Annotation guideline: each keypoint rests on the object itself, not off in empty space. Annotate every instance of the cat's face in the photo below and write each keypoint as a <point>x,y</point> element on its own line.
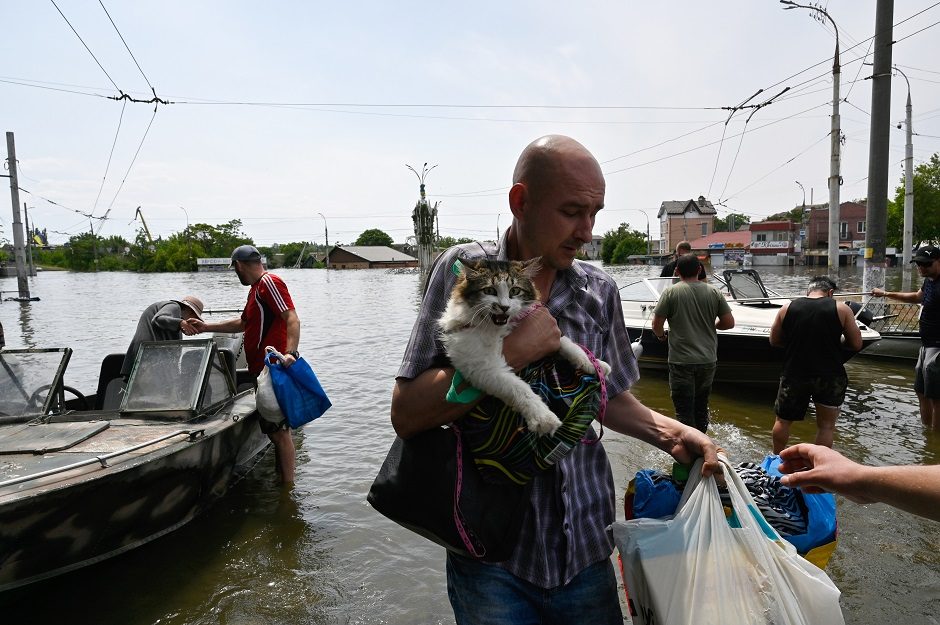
<point>495,291</point>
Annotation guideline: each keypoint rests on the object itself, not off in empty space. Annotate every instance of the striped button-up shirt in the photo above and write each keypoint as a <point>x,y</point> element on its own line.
<point>565,529</point>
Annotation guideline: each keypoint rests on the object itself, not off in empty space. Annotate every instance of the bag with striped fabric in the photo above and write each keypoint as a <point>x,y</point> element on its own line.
<point>496,437</point>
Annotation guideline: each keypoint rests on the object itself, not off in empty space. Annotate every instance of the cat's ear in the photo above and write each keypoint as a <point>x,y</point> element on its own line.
<point>467,265</point>
<point>531,267</point>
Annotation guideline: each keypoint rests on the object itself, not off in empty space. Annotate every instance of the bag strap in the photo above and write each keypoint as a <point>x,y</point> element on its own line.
<point>272,356</point>
<point>602,408</point>
<point>472,544</point>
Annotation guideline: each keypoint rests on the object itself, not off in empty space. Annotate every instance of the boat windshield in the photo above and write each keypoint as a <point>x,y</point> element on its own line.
<point>745,284</point>
<point>177,379</point>
<point>31,380</point>
<point>646,290</point>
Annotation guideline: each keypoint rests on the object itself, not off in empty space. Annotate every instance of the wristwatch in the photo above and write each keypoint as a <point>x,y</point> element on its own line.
<point>294,353</point>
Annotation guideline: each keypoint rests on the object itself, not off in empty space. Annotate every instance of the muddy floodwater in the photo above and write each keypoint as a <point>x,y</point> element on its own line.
<point>318,553</point>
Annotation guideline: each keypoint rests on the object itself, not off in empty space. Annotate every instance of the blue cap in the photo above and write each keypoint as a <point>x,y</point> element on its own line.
<point>246,253</point>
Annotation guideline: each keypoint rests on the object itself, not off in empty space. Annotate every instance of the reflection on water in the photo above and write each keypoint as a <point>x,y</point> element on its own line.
<point>318,553</point>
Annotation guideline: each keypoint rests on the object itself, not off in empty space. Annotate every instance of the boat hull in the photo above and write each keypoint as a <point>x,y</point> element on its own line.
<point>895,347</point>
<point>60,523</point>
<point>745,355</point>
<point>742,358</point>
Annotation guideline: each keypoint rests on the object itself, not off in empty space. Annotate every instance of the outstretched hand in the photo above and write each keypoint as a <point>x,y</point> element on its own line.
<point>198,326</point>
<point>818,469</point>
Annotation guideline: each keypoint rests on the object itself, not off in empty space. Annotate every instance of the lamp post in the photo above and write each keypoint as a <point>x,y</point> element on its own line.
<point>497,227</point>
<point>647,229</point>
<point>835,136</point>
<point>326,235</point>
<point>189,240</point>
<point>803,221</point>
<point>908,179</point>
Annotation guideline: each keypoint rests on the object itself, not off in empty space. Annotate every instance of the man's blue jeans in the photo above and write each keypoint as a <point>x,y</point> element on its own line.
<point>483,594</point>
<point>690,386</point>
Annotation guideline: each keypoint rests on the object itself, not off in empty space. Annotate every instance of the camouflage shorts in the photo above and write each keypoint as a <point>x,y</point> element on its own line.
<point>794,395</point>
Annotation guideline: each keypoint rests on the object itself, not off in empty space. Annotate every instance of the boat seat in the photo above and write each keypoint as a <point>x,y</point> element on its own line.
<point>110,381</point>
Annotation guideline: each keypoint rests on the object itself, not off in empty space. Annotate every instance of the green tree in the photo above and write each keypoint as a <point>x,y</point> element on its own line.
<point>621,243</point>
<point>724,224</point>
<point>926,206</point>
<point>373,236</point>
<point>448,242</point>
<point>291,252</point>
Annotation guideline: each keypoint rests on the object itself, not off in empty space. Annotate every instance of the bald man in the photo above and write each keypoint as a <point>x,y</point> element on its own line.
<point>560,571</point>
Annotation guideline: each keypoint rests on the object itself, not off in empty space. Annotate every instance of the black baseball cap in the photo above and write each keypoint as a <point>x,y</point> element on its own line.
<point>926,254</point>
<point>246,253</point>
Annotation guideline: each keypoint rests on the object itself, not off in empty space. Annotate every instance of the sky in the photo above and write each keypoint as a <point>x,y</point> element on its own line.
<point>299,118</point>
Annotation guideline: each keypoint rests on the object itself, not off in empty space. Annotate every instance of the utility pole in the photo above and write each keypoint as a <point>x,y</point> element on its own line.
<point>879,142</point>
<point>835,179</point>
<point>326,235</point>
<point>908,238</point>
<point>21,282</point>
<point>94,241</point>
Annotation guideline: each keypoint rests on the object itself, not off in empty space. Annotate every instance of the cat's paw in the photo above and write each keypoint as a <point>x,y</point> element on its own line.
<point>542,421</point>
<point>586,366</point>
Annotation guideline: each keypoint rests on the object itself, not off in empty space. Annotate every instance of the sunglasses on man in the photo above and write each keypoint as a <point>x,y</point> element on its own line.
<point>923,263</point>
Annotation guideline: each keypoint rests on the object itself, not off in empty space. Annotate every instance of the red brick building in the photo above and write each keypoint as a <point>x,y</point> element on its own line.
<point>852,220</point>
<point>684,220</point>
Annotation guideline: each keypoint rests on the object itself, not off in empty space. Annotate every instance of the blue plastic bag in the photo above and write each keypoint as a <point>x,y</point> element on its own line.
<point>656,495</point>
<point>821,514</point>
<point>298,391</point>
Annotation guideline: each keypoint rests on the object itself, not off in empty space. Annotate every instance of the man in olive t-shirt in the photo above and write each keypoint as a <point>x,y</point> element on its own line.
<point>694,310</point>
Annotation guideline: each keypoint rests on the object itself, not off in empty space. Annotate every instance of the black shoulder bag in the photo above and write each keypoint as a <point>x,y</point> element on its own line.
<point>430,486</point>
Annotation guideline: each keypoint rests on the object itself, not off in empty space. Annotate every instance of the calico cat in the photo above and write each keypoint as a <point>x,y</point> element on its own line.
<point>486,301</point>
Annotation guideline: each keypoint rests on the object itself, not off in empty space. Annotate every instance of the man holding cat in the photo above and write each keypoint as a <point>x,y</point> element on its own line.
<point>560,570</point>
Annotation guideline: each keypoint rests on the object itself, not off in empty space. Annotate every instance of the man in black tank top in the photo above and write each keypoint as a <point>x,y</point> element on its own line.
<point>811,330</point>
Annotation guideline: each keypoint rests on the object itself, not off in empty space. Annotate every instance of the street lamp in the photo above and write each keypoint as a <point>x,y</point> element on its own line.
<point>189,240</point>
<point>835,135</point>
<point>908,180</point>
<point>640,210</point>
<point>804,192</point>
<point>326,235</point>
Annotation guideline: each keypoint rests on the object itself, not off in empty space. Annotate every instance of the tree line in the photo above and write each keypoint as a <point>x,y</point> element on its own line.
<point>179,251</point>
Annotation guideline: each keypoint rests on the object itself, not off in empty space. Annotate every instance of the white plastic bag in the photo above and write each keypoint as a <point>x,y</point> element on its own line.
<point>695,568</point>
<point>265,399</point>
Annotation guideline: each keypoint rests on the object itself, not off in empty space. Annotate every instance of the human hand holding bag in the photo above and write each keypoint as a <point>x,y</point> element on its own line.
<point>701,568</point>
<point>298,391</point>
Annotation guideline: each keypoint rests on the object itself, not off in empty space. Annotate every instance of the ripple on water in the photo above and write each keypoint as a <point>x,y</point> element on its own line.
<point>320,554</point>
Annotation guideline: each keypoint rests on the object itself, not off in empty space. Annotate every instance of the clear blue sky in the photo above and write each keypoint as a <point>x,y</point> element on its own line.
<point>289,109</point>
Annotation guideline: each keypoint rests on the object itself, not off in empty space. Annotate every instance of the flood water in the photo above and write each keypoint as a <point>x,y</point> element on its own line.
<point>318,553</point>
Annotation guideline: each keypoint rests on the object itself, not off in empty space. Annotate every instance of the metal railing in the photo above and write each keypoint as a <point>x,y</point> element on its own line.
<point>103,459</point>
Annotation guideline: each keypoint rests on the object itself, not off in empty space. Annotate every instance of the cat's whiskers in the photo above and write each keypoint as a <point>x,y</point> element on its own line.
<point>481,309</point>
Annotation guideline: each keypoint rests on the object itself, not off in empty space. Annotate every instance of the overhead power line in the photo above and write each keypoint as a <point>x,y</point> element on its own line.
<point>127,47</point>
<point>108,166</point>
<point>85,44</point>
